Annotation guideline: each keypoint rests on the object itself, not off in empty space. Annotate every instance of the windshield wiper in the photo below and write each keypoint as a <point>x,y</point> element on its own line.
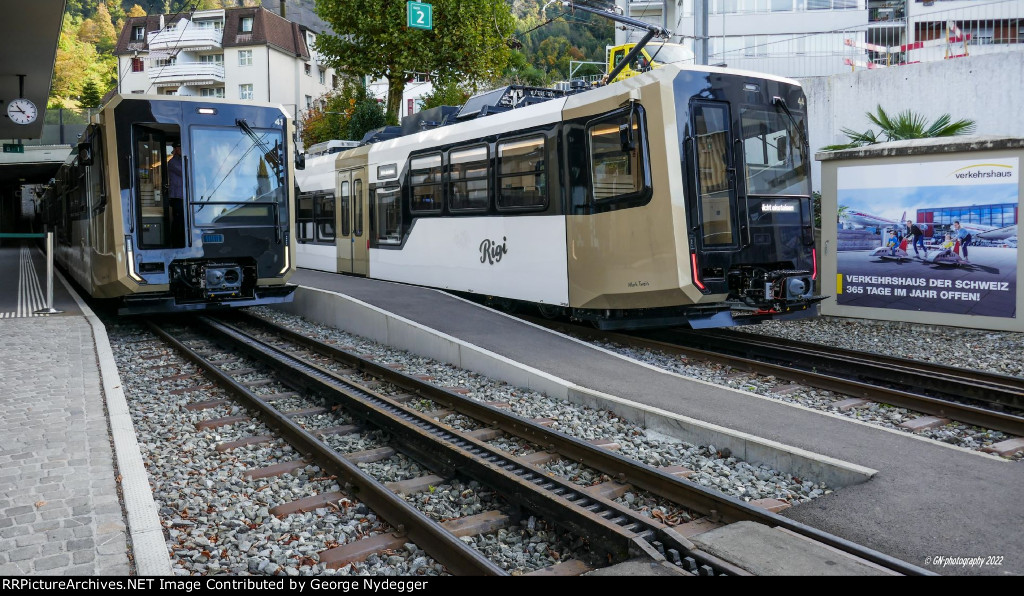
<point>268,153</point>
<point>781,103</point>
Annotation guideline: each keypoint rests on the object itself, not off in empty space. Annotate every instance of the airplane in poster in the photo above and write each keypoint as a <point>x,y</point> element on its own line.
<point>991,233</point>
<point>863,219</point>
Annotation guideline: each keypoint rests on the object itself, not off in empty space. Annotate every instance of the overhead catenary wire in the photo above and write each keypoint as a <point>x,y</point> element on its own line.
<point>184,5</point>
<point>192,12</point>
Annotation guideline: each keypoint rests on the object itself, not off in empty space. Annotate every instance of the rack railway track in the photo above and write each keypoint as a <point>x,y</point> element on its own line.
<point>613,530</point>
<point>973,397</point>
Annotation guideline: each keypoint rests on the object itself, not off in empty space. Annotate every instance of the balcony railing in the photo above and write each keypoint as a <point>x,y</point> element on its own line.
<point>188,73</point>
<point>185,37</point>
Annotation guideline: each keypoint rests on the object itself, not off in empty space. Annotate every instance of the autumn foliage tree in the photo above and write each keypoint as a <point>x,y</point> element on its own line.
<point>345,114</point>
<point>467,42</point>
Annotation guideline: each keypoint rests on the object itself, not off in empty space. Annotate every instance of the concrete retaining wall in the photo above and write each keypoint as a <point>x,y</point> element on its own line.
<point>983,88</point>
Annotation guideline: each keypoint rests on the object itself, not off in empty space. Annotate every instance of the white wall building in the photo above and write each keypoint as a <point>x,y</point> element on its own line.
<point>235,53</point>
<point>417,85</point>
<point>803,38</point>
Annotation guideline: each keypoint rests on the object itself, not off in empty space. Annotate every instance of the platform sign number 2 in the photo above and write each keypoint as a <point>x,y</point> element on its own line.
<point>419,15</point>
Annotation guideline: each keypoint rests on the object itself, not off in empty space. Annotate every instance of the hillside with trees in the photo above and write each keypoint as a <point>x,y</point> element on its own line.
<point>542,44</point>
<point>85,68</point>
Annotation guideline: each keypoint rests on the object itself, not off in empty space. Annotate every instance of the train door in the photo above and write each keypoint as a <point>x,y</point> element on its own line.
<point>352,249</point>
<point>713,204</point>
<point>159,186</point>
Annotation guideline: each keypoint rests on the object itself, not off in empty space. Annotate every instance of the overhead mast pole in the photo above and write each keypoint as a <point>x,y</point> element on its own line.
<point>652,31</point>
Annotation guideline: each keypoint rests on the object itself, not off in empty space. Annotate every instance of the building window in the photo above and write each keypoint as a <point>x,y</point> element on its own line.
<point>138,33</point>
<point>309,71</point>
<point>425,180</point>
<point>468,180</point>
<point>212,59</point>
<point>245,91</point>
<point>173,91</point>
<point>323,77</point>
<point>245,57</point>
<point>162,62</point>
<point>212,92</point>
<point>138,65</point>
<point>334,81</point>
<point>521,180</point>
<point>309,101</point>
<point>246,25</point>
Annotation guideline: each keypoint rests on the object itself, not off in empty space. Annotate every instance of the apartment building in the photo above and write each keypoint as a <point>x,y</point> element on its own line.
<point>246,53</point>
<point>801,38</point>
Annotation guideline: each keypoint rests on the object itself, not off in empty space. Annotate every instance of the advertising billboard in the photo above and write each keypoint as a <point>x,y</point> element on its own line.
<point>958,264</point>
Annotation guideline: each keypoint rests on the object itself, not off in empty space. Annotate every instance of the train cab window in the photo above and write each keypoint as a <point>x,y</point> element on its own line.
<point>344,201</point>
<point>425,182</point>
<point>615,168</point>
<point>467,186</point>
<point>521,179</point>
<point>325,219</point>
<point>388,216</point>
<point>357,208</point>
<point>711,124</point>
<point>775,159</point>
<point>304,217</point>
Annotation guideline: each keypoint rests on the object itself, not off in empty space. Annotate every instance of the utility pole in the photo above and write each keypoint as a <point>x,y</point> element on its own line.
<point>700,30</point>
<point>652,31</point>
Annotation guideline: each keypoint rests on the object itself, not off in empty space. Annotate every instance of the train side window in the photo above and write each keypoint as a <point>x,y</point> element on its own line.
<point>325,218</point>
<point>343,206</point>
<point>425,181</point>
<point>389,216</point>
<point>521,179</point>
<point>304,217</point>
<point>357,207</point>
<point>615,167</point>
<point>467,187</point>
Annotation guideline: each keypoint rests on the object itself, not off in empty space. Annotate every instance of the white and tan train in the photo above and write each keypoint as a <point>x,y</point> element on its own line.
<point>679,196</point>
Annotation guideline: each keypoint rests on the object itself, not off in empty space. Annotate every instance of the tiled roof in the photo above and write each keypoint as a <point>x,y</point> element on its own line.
<point>268,28</point>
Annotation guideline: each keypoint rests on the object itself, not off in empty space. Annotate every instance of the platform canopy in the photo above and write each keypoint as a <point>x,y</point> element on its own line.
<point>29,32</point>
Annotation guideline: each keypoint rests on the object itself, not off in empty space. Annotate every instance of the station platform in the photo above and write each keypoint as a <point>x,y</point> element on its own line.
<point>927,499</point>
<point>70,504</point>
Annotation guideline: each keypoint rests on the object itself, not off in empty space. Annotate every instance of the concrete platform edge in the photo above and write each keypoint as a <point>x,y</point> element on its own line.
<point>798,462</point>
<point>352,315</point>
<point>149,551</point>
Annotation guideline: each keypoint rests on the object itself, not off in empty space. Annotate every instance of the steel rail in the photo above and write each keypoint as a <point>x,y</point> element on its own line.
<point>452,552</point>
<point>626,470</point>
<point>858,374</point>
<point>940,378</point>
<point>612,530</point>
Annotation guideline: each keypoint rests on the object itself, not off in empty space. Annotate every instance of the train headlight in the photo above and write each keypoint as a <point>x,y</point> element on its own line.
<point>287,258</point>
<point>797,287</point>
<point>130,260</point>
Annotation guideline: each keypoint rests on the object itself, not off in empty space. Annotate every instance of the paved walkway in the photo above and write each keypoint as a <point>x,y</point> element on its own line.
<point>69,457</point>
<point>59,507</point>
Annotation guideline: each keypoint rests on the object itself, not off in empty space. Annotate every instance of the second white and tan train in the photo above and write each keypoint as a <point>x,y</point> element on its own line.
<point>679,196</point>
